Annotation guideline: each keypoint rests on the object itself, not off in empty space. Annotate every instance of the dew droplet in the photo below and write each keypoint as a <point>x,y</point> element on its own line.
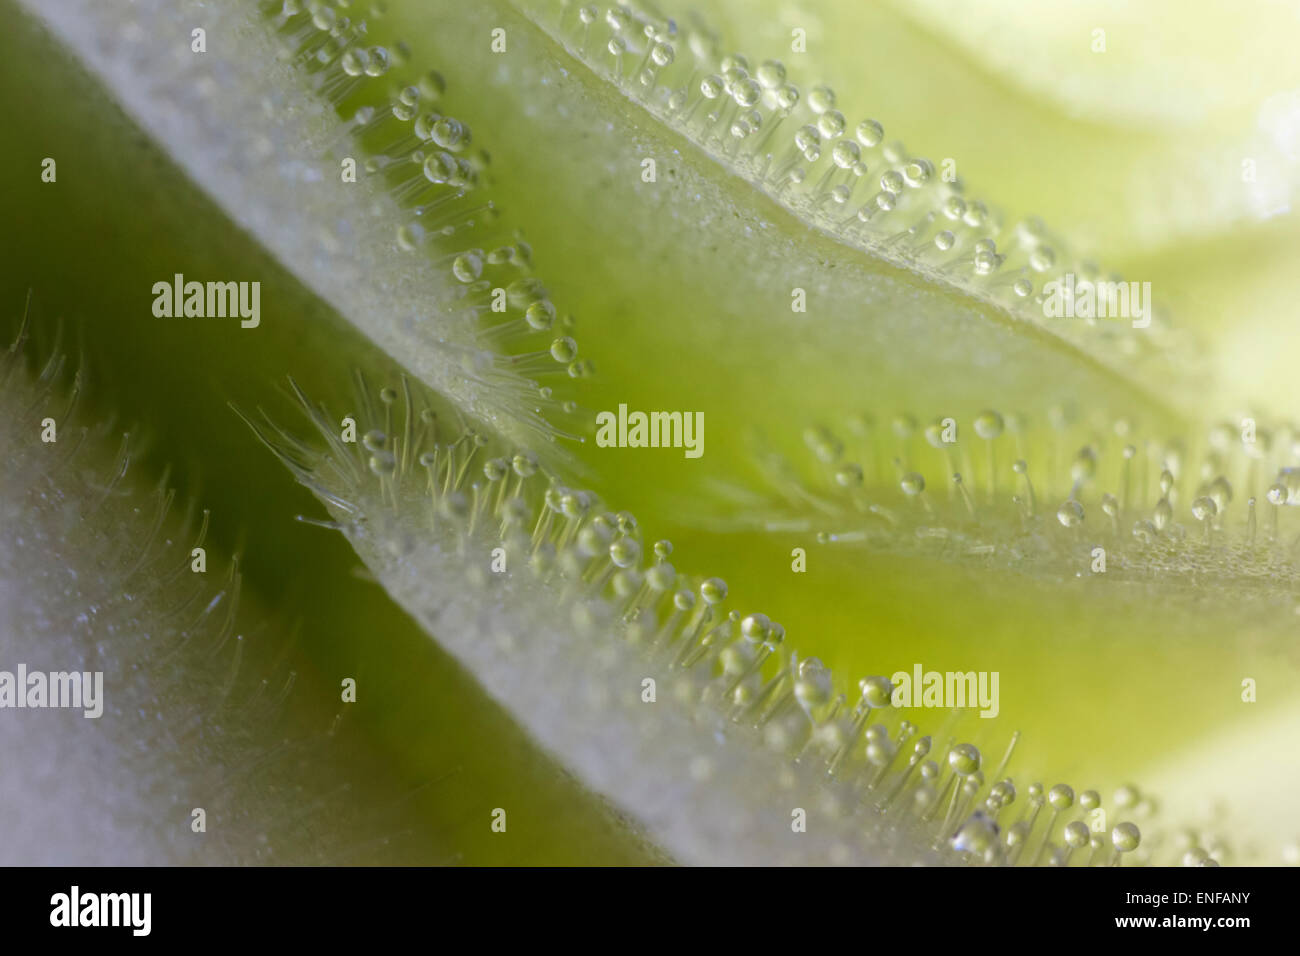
<point>1070,514</point>
<point>354,62</point>
<point>1061,797</point>
<point>1042,259</point>
<point>378,61</point>
<point>1125,837</point>
<point>989,425</point>
<point>1163,514</point>
<point>540,315</point>
<point>845,154</point>
<point>449,133</point>
<point>711,87</point>
<point>662,54</point>
<point>713,591</point>
<point>918,172</point>
<point>903,426</point>
<point>524,464</point>
<point>870,133</point>
<point>1084,466</point>
<point>564,349</point>
<point>467,267</point>
<point>625,552</point>
<point>848,475</point>
<point>1077,834</point>
<point>964,759</point>
<point>771,74</point>
<point>821,99</point>
<point>831,124</point>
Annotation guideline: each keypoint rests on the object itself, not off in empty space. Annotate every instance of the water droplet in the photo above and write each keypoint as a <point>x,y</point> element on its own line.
<point>540,315</point>
<point>964,759</point>
<point>354,62</point>
<point>870,133</point>
<point>1084,466</point>
<point>524,464</point>
<point>1221,492</point>
<point>1070,514</point>
<point>848,475</point>
<point>449,133</point>
<point>1125,837</point>
<point>1061,797</point>
<point>918,172</point>
<point>378,61</point>
<point>625,552</point>
<point>467,267</point>
<point>845,154</point>
<point>747,93</point>
<point>831,124</point>
<point>440,168</point>
<point>806,137</point>
<point>564,349</point>
<point>821,99</point>
<point>989,424</point>
<point>711,87</point>
<point>813,686</point>
<point>1077,834</point>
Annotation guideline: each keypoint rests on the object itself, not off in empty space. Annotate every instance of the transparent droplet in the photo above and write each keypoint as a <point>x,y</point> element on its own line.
<point>821,99</point>
<point>870,133</point>
<point>989,424</point>
<point>564,349</point>
<point>1070,514</point>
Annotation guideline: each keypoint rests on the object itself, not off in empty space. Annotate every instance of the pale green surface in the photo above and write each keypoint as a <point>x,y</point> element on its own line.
<point>678,314</point>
